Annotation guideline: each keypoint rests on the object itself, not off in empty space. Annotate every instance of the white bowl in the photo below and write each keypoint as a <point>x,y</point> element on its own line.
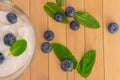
<point>23,30</point>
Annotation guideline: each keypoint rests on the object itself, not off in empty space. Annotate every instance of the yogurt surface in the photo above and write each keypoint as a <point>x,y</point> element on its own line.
<point>21,30</point>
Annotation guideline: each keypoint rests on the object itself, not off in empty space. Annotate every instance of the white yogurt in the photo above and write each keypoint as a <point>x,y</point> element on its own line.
<point>22,31</point>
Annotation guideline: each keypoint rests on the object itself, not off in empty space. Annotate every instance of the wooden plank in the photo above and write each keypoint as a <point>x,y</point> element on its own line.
<point>39,67</point>
<point>25,7</point>
<point>111,42</point>
<point>79,38</point>
<point>70,41</point>
<point>94,39</point>
<point>75,39</point>
<point>55,72</point>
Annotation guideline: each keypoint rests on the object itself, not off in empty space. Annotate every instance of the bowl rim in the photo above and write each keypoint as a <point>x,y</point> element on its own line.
<point>7,2</point>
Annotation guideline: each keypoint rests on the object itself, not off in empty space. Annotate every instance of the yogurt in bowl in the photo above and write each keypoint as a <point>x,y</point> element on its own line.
<point>15,26</point>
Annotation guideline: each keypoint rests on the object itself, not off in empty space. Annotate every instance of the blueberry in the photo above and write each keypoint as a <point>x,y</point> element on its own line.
<point>49,35</point>
<point>74,25</point>
<point>9,39</point>
<point>113,28</point>
<point>12,18</point>
<point>59,17</point>
<point>2,58</point>
<point>46,47</point>
<point>70,11</point>
<point>67,65</point>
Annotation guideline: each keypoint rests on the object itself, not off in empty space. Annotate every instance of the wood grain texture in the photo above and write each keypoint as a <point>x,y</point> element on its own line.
<point>39,67</point>
<point>47,67</point>
<point>94,39</point>
<point>111,42</point>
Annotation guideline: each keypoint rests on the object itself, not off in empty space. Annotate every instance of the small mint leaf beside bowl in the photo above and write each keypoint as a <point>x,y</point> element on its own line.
<point>18,48</point>
<point>86,20</point>
<point>52,8</point>
<point>64,53</point>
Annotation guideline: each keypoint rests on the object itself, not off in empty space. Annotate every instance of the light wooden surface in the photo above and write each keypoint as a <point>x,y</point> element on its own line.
<point>47,67</point>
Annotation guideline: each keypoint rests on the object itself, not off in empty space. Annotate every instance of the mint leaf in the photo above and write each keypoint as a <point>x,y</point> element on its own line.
<point>63,53</point>
<point>86,19</point>
<point>60,2</point>
<point>86,64</point>
<point>52,8</point>
<point>18,47</point>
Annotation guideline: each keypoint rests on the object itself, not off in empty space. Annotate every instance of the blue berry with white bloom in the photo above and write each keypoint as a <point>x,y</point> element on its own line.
<point>59,17</point>
<point>49,35</point>
<point>113,28</point>
<point>9,39</point>
<point>70,11</point>
<point>74,25</point>
<point>46,47</point>
<point>12,17</point>
<point>67,65</point>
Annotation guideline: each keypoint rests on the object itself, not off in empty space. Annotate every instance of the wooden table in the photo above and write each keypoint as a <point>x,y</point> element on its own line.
<point>47,67</point>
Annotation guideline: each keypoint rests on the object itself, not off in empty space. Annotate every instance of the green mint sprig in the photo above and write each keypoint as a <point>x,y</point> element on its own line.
<point>82,17</point>
<point>85,65</point>
<point>18,48</point>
